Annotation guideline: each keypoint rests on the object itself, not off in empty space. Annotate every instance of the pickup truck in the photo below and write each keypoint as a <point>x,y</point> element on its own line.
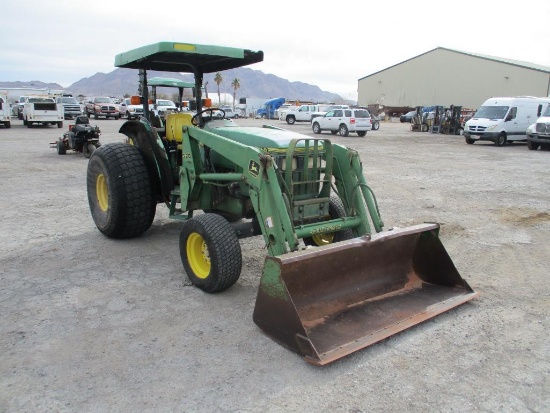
<point>131,111</point>
<point>43,110</point>
<point>5,111</point>
<point>302,113</point>
<point>102,107</point>
<point>71,107</point>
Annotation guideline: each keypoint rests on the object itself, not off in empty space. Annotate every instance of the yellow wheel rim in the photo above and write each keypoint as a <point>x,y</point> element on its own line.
<point>198,255</point>
<point>102,192</point>
<point>323,239</point>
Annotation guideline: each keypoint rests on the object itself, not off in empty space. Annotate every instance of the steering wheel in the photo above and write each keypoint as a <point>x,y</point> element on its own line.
<point>195,118</point>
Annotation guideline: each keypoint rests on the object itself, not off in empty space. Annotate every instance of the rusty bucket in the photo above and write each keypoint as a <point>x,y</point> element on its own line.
<point>327,302</point>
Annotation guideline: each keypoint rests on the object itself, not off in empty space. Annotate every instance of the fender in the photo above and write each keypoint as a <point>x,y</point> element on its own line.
<point>148,141</point>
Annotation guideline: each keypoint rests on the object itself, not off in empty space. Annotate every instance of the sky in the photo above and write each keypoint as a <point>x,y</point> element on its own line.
<point>328,45</point>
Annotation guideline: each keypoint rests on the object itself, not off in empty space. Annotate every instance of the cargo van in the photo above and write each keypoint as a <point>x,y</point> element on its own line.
<point>503,119</point>
<point>538,134</point>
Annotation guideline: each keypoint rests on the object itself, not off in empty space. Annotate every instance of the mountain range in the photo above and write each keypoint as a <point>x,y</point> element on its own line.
<point>253,84</point>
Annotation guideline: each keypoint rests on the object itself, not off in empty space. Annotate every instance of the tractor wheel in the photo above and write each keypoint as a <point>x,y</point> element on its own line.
<point>61,149</point>
<point>88,149</point>
<point>120,191</point>
<point>210,252</point>
<point>343,130</point>
<point>335,210</point>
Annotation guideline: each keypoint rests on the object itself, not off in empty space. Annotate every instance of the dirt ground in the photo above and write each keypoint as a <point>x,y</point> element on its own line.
<point>91,324</point>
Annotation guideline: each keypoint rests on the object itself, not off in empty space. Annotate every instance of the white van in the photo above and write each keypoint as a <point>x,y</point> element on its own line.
<point>538,134</point>
<point>503,120</point>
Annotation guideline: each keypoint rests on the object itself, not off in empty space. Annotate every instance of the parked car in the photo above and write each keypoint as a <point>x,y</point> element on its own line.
<point>407,117</point>
<point>343,121</point>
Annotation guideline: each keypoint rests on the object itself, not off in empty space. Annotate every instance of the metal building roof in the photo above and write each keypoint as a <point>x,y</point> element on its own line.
<point>518,63</point>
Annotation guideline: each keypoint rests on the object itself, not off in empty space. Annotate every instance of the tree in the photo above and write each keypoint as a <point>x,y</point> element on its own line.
<point>235,85</point>
<point>218,79</point>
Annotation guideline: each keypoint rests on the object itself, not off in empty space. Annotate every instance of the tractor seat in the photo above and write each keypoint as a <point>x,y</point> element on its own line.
<point>82,120</point>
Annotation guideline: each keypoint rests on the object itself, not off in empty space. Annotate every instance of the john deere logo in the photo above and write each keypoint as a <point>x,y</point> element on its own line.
<point>254,168</point>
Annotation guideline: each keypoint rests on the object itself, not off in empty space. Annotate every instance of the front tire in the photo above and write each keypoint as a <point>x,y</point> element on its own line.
<point>316,128</point>
<point>210,252</point>
<point>335,210</point>
<point>501,140</point>
<point>88,149</point>
<point>61,149</point>
<point>120,191</point>
<point>291,120</point>
<point>469,141</point>
<point>533,146</point>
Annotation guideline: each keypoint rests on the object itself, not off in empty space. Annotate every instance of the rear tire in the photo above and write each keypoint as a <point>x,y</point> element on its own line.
<point>59,124</point>
<point>343,130</point>
<point>375,125</point>
<point>210,252</point>
<point>120,191</point>
<point>335,210</point>
<point>291,120</point>
<point>361,134</point>
<point>7,124</point>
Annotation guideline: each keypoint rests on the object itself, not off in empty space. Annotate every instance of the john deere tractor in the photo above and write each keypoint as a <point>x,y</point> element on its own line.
<point>333,280</point>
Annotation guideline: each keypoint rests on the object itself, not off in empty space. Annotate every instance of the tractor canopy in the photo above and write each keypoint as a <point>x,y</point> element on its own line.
<point>187,57</point>
<point>169,82</point>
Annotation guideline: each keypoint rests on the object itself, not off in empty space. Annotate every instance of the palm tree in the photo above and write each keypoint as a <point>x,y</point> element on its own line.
<point>218,79</point>
<point>235,84</point>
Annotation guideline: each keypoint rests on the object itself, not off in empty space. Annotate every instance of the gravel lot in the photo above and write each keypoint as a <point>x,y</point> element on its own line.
<point>90,324</point>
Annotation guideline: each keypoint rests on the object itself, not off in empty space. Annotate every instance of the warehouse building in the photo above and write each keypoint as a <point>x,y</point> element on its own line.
<point>450,77</point>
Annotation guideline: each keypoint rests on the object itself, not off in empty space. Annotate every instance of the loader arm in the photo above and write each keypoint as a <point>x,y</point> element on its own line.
<point>256,169</point>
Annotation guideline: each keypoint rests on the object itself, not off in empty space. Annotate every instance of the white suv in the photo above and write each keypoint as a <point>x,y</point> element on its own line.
<point>343,121</point>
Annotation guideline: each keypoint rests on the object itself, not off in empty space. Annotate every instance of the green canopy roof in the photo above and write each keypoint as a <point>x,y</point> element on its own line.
<point>187,57</point>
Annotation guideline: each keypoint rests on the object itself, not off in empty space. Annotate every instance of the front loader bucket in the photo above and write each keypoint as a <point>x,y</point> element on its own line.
<point>327,302</point>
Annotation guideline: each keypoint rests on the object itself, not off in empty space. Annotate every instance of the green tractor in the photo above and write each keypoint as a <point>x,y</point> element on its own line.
<point>333,280</point>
